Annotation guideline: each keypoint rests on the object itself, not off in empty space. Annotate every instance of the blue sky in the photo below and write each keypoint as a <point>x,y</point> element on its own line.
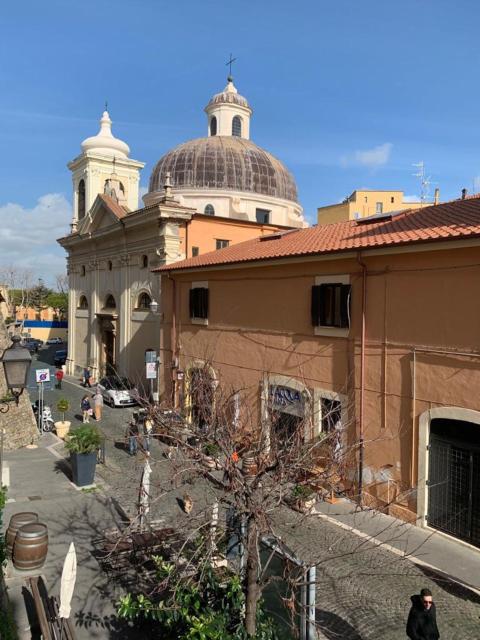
<point>348,94</point>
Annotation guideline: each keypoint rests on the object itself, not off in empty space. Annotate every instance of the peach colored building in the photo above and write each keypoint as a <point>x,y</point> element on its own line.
<point>378,320</point>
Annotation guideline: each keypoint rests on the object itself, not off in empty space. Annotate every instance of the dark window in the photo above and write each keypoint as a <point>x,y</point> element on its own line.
<point>195,251</point>
<point>81,199</point>
<point>262,215</point>
<point>82,270</point>
<point>331,305</point>
<point>83,303</point>
<point>144,262</point>
<point>110,265</point>
<point>199,302</point>
<point>110,302</point>
<point>144,301</point>
<point>213,126</point>
<point>209,210</point>
<point>392,199</point>
<point>237,126</point>
<point>331,414</point>
<point>221,244</point>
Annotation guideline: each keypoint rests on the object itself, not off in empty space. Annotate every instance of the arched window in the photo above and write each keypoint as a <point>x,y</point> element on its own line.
<point>144,262</point>
<point>82,270</point>
<point>213,126</point>
<point>81,199</point>
<point>110,302</point>
<point>144,301</point>
<point>83,303</point>
<point>109,265</point>
<point>237,126</point>
<point>209,210</point>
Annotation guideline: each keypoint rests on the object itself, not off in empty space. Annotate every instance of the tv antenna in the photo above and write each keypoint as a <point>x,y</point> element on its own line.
<point>425,181</point>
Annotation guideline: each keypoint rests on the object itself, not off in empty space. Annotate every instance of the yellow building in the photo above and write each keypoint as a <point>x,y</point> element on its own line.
<point>364,203</point>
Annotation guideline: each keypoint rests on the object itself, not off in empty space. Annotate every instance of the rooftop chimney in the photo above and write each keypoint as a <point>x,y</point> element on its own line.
<point>436,197</point>
<point>464,194</point>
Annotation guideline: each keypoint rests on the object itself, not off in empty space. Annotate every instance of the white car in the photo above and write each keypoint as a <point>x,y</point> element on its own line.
<point>118,392</point>
<point>54,341</point>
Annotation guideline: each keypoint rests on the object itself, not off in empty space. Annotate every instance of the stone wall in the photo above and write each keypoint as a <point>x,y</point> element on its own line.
<point>18,423</point>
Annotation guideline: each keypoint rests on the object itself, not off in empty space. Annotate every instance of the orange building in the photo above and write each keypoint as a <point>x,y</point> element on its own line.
<point>375,318</point>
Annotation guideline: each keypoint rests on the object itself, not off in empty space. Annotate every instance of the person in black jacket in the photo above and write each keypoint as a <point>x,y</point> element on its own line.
<point>422,619</point>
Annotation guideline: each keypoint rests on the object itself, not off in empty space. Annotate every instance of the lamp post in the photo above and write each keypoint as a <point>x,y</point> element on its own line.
<point>16,362</point>
<point>154,309</point>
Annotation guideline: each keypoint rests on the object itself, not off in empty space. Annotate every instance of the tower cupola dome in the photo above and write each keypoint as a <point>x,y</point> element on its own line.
<point>229,113</point>
<point>105,142</point>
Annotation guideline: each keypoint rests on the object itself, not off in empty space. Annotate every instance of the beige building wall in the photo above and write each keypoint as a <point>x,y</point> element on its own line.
<point>364,203</point>
<point>418,306</point>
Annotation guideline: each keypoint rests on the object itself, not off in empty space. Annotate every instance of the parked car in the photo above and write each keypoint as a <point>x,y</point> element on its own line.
<point>118,392</point>
<point>60,357</point>
<point>54,341</point>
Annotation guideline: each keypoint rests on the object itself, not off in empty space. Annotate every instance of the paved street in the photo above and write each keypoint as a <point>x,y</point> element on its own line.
<point>363,591</point>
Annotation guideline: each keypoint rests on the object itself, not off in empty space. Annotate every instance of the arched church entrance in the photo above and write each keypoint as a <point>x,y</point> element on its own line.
<point>454,478</point>
<point>108,332</point>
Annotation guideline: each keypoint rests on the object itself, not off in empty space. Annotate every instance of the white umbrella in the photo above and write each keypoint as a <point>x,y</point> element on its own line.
<point>67,584</point>
<point>145,492</point>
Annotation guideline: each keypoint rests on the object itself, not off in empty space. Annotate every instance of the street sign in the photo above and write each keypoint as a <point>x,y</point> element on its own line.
<point>150,356</point>
<point>42,375</point>
<point>151,370</point>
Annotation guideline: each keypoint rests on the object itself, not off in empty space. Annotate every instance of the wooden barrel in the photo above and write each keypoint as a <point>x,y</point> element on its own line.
<point>249,465</point>
<point>17,521</point>
<point>31,547</point>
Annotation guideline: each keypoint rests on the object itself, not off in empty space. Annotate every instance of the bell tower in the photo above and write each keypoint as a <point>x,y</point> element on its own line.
<point>102,158</point>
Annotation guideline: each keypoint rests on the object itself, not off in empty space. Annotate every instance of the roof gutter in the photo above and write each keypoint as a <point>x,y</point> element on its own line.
<point>362,380</point>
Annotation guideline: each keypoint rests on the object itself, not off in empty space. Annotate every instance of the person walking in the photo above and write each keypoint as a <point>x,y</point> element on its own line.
<point>86,409</point>
<point>59,377</point>
<point>97,404</point>
<point>132,434</point>
<point>422,619</point>
<point>86,377</point>
<point>147,428</point>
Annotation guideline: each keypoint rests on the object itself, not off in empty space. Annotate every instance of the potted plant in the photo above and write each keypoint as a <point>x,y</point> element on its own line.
<point>82,443</point>
<point>62,426</point>
<point>211,451</point>
<point>303,498</point>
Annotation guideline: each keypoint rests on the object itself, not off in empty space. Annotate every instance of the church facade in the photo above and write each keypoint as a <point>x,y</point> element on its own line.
<point>204,195</point>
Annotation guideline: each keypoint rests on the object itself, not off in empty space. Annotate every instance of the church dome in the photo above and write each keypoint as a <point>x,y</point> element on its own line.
<point>105,142</point>
<point>226,163</point>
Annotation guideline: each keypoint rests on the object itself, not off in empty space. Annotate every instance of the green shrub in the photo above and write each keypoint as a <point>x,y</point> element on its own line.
<point>84,439</point>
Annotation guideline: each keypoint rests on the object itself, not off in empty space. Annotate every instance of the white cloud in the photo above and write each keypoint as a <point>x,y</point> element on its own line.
<point>28,236</point>
<point>371,158</point>
<point>412,198</point>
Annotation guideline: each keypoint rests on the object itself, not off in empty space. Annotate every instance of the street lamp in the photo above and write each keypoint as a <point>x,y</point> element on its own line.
<point>16,362</point>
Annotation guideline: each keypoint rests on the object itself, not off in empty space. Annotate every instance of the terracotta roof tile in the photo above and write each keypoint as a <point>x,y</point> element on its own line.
<point>456,219</point>
<point>114,207</point>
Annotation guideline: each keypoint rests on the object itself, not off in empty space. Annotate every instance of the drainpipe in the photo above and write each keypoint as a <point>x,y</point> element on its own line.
<point>173,339</point>
<point>362,379</point>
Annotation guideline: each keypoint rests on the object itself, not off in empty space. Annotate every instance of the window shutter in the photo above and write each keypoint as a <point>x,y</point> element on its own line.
<point>345,305</point>
<point>323,303</point>
<point>203,302</point>
<point>315,310</point>
<point>192,303</point>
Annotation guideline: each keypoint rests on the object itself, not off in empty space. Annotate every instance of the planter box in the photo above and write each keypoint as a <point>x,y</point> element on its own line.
<point>83,468</point>
<point>62,428</point>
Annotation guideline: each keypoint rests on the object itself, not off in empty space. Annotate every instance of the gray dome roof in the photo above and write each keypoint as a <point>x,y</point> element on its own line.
<point>228,97</point>
<point>224,162</point>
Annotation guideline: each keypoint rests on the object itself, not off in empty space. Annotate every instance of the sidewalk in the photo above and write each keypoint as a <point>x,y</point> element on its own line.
<point>38,483</point>
<point>427,548</point>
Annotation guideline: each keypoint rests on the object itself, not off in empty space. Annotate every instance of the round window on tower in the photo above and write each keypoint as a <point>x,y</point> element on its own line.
<point>237,126</point>
<point>81,199</point>
<point>209,210</point>
<point>213,126</point>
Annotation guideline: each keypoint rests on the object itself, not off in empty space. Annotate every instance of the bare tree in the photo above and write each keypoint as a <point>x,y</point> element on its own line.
<point>254,472</point>
<point>19,281</point>
<point>61,283</point>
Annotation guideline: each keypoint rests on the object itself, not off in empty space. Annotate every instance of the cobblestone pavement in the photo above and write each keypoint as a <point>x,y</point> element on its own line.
<point>363,591</point>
